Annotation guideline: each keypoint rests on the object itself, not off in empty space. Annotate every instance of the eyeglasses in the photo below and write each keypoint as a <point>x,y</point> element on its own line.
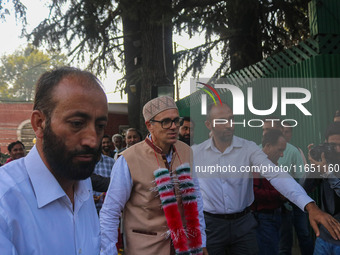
<point>167,123</point>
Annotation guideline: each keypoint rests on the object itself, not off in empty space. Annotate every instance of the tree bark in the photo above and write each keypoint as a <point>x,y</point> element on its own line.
<point>152,32</point>
<point>245,38</point>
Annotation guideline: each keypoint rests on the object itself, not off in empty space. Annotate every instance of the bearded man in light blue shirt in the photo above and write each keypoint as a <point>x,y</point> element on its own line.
<point>223,165</point>
<point>46,204</point>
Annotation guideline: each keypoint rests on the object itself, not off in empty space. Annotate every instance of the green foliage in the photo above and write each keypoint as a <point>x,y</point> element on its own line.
<point>19,72</point>
<point>270,25</point>
<point>19,10</point>
<point>232,28</point>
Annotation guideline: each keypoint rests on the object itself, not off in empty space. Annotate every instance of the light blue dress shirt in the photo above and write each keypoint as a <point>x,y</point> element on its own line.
<point>229,192</point>
<point>36,215</point>
<point>116,197</point>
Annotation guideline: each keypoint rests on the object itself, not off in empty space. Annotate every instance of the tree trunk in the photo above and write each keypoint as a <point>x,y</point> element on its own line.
<point>154,71</point>
<point>244,27</point>
<point>132,57</point>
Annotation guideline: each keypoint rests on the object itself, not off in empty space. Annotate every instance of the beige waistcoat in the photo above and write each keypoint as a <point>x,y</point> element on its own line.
<point>145,224</point>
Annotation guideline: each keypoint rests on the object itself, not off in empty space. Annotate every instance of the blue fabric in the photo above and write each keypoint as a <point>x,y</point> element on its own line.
<point>36,215</point>
<point>103,168</point>
<point>323,247</point>
<point>268,232</point>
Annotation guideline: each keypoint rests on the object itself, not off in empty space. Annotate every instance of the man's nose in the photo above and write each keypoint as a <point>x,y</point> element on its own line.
<point>173,126</point>
<point>90,137</point>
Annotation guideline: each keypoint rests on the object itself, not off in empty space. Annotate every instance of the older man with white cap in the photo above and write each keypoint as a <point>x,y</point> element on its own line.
<point>151,184</point>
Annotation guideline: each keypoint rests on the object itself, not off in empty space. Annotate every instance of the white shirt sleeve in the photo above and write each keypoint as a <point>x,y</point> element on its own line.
<point>117,195</point>
<point>284,183</point>
<point>200,210</point>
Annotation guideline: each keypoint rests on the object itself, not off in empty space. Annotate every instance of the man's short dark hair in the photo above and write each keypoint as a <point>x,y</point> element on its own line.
<point>11,145</point>
<point>332,129</point>
<point>187,118</point>
<point>45,85</point>
<point>106,136</point>
<point>271,137</point>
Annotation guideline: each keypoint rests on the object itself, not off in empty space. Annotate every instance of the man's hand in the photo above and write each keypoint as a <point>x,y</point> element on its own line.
<point>205,251</point>
<point>316,216</point>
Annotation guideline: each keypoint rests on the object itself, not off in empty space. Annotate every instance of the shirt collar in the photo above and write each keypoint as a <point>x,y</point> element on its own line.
<point>235,143</point>
<point>149,142</point>
<point>45,186</point>
<point>101,158</point>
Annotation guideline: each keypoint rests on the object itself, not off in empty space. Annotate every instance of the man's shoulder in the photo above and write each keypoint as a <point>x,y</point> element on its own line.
<point>108,159</point>
<point>291,149</point>
<point>243,144</point>
<point>133,148</point>
<point>201,146</point>
<point>11,175</point>
<point>181,144</point>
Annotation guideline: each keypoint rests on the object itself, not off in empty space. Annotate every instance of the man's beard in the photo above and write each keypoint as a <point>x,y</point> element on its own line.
<point>184,139</point>
<point>60,159</point>
<point>106,148</point>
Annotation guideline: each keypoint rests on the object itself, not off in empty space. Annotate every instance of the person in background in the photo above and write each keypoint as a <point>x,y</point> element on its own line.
<point>327,179</point>
<point>291,215</point>
<point>117,140</point>
<point>3,158</point>
<point>46,203</point>
<point>288,134</point>
<point>268,201</point>
<point>107,146</point>
<point>145,177</point>
<point>103,168</point>
<point>132,137</point>
<point>187,131</point>
<point>16,150</point>
<point>228,195</point>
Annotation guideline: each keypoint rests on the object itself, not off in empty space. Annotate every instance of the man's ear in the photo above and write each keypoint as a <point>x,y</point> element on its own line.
<point>267,147</point>
<point>148,125</point>
<point>38,122</point>
<point>208,124</point>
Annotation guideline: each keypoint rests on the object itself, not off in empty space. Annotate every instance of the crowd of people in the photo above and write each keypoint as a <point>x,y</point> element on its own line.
<point>80,191</point>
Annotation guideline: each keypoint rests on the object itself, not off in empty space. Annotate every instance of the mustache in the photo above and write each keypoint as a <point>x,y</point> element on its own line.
<point>87,151</point>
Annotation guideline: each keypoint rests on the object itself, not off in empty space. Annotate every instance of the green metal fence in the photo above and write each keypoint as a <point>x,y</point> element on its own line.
<point>316,57</point>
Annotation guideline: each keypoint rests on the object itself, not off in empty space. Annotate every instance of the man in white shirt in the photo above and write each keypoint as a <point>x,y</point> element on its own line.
<point>46,204</point>
<point>223,165</point>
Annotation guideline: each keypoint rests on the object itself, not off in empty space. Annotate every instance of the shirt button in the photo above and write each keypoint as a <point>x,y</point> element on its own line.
<point>79,252</point>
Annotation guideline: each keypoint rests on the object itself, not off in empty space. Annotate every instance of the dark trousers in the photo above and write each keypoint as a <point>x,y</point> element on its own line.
<point>233,237</point>
<point>268,232</point>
